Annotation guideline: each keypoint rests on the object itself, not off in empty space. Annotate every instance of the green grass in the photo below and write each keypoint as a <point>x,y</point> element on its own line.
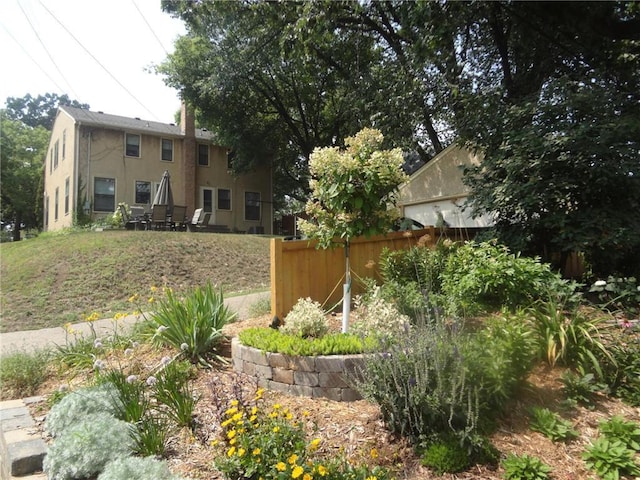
<point>58,278</point>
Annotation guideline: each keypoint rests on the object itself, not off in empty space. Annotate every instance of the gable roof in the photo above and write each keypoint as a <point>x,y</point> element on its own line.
<point>117,122</point>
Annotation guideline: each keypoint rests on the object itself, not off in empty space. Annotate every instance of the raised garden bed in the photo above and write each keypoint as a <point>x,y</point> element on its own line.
<point>321,376</point>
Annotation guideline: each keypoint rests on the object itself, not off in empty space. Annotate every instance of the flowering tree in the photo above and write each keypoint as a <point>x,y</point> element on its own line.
<point>352,191</point>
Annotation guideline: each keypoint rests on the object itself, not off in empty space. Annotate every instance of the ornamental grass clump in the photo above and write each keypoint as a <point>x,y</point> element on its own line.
<point>193,325</point>
<point>306,319</point>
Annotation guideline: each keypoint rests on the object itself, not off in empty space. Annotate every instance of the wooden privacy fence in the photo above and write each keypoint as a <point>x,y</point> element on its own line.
<point>299,270</point>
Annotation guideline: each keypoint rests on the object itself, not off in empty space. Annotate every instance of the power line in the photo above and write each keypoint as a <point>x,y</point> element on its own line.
<point>98,62</point>
<point>150,28</point>
<point>46,50</point>
<point>33,59</point>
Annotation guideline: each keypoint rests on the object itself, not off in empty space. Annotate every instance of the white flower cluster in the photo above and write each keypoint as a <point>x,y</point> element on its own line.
<point>378,317</point>
<point>306,319</point>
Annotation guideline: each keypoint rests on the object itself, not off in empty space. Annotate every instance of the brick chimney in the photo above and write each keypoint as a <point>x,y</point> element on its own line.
<point>188,129</point>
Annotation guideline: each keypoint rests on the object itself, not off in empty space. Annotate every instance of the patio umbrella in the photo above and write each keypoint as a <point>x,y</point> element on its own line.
<point>164,195</point>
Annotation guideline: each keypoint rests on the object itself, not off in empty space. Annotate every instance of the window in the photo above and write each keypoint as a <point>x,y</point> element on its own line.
<point>46,211</point>
<point>167,150</point>
<point>133,145</point>
<point>224,199</point>
<point>230,155</point>
<point>51,161</point>
<point>55,205</point>
<point>207,199</point>
<point>64,143</point>
<point>56,148</point>
<point>203,155</point>
<point>143,192</point>
<point>66,196</point>
<point>251,205</point>
<point>104,194</point>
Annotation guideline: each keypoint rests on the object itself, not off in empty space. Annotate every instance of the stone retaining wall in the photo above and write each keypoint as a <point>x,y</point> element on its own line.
<point>319,376</point>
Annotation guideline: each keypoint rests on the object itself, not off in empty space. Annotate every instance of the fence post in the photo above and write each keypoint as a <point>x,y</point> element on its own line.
<point>277,277</point>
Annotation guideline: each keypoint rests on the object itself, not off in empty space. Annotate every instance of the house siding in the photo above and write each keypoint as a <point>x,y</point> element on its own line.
<point>97,151</point>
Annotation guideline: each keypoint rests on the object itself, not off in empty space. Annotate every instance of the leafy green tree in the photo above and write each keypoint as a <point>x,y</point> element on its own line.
<point>21,161</point>
<point>40,110</point>
<point>352,192</point>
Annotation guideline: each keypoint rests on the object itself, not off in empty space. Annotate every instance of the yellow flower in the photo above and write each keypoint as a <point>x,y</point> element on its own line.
<point>230,412</point>
<point>281,467</point>
<point>276,429</point>
<point>241,452</point>
<point>314,443</point>
<point>237,416</point>
<point>259,393</point>
<point>276,406</point>
<point>133,298</point>
<point>307,477</point>
<point>118,316</point>
<point>322,471</point>
<point>231,434</point>
<point>234,403</point>
<point>273,415</point>
<point>289,416</point>
<point>252,418</point>
<point>232,441</point>
<point>374,453</point>
<point>292,459</point>
<point>256,451</point>
<point>153,288</point>
<point>151,300</point>
<point>297,471</point>
<point>254,410</point>
<point>372,478</point>
<point>306,413</point>
<point>213,443</point>
<point>225,423</point>
<point>231,451</point>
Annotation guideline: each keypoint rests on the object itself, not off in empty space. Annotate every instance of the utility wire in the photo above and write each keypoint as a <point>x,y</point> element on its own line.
<point>150,28</point>
<point>98,62</point>
<point>33,59</point>
<point>35,31</point>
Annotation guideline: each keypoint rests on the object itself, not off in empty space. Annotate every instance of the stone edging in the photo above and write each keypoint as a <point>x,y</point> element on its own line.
<point>321,376</point>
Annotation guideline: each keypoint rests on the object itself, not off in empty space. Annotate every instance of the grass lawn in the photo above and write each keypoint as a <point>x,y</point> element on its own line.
<point>58,278</point>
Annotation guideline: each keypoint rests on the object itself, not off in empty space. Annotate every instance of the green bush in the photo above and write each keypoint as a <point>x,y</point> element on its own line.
<point>270,340</point>
<point>21,373</point>
<point>87,446</point>
<point>525,467</point>
<point>306,320</point>
<point>78,404</point>
<point>194,324</point>
<point>620,369</point>
<point>137,468</point>
<point>581,388</point>
<point>617,293</point>
<point>552,425</point>
<point>446,456</point>
<point>481,276</point>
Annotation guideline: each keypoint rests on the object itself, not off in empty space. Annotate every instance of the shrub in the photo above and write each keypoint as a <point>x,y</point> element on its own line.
<point>306,319</point>
<point>436,380</point>
<point>373,316</point>
<point>581,388</point>
<point>617,293</point>
<point>621,367</point>
<point>78,404</point>
<point>21,373</point>
<point>86,446</point>
<point>552,425</point>
<point>610,459</point>
<point>525,467</point>
<point>137,468</point>
<point>193,325</point>
<point>480,276</point>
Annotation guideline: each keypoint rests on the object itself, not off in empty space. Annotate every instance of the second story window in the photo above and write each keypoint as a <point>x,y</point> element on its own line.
<point>167,150</point>
<point>132,147</point>
<point>64,143</point>
<point>203,155</point>
<point>56,150</point>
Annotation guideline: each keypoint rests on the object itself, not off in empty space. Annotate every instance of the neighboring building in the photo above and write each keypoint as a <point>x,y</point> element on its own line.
<point>435,194</point>
<point>96,161</point>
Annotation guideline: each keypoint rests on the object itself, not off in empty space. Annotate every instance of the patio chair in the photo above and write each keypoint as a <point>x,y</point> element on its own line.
<point>130,222</point>
<point>158,217</point>
<point>200,220</point>
<point>178,218</point>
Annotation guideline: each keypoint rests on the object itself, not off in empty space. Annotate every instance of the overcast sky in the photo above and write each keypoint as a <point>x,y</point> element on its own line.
<point>95,51</point>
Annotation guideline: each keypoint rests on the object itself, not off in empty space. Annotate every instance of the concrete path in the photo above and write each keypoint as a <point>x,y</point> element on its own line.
<point>49,337</point>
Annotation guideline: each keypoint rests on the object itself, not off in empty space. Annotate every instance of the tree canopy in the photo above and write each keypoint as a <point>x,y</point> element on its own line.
<point>40,110</point>
<point>548,91</point>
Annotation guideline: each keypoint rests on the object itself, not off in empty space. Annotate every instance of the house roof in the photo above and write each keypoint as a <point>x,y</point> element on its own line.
<point>116,122</point>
